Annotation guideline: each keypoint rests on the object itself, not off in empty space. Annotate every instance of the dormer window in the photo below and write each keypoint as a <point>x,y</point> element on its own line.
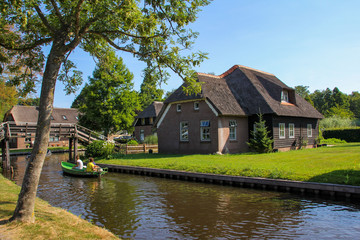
<point>51,117</point>
<point>64,117</point>
<point>284,96</point>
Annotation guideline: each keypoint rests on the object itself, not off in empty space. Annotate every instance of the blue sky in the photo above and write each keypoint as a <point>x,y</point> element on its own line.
<point>302,42</point>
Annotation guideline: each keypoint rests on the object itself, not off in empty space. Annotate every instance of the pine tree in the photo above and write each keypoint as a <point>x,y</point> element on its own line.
<point>260,141</point>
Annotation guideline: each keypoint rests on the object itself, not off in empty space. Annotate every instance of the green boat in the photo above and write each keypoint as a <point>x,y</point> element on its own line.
<point>68,169</point>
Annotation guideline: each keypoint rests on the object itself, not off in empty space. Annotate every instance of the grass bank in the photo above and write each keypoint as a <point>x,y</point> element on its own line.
<point>338,164</point>
<point>51,222</point>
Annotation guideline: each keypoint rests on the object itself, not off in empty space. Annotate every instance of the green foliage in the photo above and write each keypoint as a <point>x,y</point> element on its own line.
<point>332,141</point>
<point>108,103</point>
<point>349,135</point>
<point>336,122</point>
<point>132,142</point>
<point>151,139</point>
<point>355,103</point>
<point>303,91</point>
<point>99,149</point>
<point>260,141</point>
<point>148,89</point>
<point>8,98</point>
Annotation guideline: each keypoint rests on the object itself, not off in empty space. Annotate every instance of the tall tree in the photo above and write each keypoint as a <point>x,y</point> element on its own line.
<point>150,88</point>
<point>355,103</point>
<point>8,98</point>
<point>260,141</point>
<point>153,31</point>
<point>108,103</point>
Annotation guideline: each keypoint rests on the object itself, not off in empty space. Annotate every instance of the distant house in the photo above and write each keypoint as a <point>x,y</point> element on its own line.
<point>144,121</point>
<point>220,118</point>
<point>29,114</point>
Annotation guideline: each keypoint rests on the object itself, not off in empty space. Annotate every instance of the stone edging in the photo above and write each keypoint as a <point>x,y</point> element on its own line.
<point>326,189</point>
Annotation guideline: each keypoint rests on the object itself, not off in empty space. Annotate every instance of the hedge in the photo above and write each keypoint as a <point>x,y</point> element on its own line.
<point>349,135</point>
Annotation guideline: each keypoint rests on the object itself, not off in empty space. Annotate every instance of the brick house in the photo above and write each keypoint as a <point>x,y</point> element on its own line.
<point>144,121</point>
<point>29,114</point>
<point>220,118</point>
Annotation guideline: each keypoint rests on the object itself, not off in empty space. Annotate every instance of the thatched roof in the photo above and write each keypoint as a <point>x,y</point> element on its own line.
<point>29,114</point>
<point>244,91</point>
<point>151,111</point>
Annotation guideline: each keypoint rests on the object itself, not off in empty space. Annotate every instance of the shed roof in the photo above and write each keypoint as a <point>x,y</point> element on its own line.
<point>29,114</point>
<point>151,111</point>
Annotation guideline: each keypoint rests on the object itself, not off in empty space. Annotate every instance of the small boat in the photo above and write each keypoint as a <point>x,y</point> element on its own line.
<point>68,169</point>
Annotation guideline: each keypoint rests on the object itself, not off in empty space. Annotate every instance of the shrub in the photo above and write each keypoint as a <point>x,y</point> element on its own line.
<point>133,142</point>
<point>349,135</point>
<point>99,148</point>
<point>151,139</point>
<point>336,122</point>
<point>332,141</point>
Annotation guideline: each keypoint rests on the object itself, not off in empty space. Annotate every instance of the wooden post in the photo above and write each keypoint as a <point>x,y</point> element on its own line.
<point>144,148</point>
<point>126,149</point>
<point>75,149</point>
<point>70,149</point>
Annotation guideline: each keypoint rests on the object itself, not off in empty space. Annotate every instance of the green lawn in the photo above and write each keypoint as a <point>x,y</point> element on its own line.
<point>337,164</point>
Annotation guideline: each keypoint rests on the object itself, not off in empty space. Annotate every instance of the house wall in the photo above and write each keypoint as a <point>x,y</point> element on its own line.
<point>148,130</point>
<point>287,143</point>
<point>169,130</point>
<point>239,144</point>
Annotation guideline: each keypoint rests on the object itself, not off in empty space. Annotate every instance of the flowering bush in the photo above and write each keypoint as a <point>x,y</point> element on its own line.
<point>99,149</point>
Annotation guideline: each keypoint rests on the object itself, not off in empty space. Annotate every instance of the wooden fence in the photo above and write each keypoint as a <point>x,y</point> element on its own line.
<point>141,148</point>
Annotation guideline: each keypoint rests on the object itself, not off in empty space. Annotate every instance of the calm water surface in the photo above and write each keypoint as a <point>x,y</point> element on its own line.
<point>140,207</point>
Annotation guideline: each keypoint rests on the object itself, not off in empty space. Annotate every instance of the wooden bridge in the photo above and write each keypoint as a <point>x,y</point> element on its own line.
<point>73,132</point>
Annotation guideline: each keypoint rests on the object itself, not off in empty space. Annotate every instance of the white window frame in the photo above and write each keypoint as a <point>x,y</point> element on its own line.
<point>291,130</point>
<point>196,106</point>
<point>184,131</point>
<point>205,131</point>
<point>232,129</point>
<point>282,131</point>
<point>309,130</point>
<point>284,96</point>
<point>142,135</point>
<point>178,107</point>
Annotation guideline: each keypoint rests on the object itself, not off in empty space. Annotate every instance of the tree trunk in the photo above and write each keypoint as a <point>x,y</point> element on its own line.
<point>24,211</point>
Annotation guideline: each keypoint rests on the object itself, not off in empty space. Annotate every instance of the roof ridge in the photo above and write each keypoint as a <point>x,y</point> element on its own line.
<point>242,66</point>
<point>209,75</point>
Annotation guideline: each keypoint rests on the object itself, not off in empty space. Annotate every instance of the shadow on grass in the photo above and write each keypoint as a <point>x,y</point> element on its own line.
<point>348,145</point>
<point>347,177</point>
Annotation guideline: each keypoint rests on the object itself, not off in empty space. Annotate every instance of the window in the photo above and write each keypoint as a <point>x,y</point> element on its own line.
<point>28,137</point>
<point>142,136</point>
<point>54,139</point>
<point>281,130</point>
<point>64,117</point>
<point>184,131</point>
<point>51,117</point>
<point>291,130</point>
<point>143,121</point>
<point>232,129</point>
<point>178,107</point>
<point>309,130</point>
<point>151,120</point>
<point>196,106</point>
<point>205,130</point>
<point>284,96</point>
<point>77,118</point>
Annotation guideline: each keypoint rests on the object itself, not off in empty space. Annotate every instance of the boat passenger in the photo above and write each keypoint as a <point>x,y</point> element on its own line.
<point>79,163</point>
<point>91,166</point>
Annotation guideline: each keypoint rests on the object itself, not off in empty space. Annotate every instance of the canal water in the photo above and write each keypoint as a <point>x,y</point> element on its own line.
<point>141,207</point>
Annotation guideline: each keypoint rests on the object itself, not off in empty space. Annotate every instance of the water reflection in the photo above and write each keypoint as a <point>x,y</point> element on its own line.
<point>140,207</point>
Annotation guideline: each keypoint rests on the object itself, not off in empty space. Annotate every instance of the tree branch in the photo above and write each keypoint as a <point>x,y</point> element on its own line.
<point>27,46</point>
<point>43,19</point>
<point>57,12</point>
<point>77,16</point>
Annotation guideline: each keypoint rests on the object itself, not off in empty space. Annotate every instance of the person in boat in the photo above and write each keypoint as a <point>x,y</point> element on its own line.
<point>92,167</point>
<point>79,163</point>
